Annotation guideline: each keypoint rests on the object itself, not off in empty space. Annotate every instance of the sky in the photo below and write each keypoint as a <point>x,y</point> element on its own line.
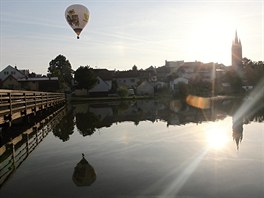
<point>123,33</point>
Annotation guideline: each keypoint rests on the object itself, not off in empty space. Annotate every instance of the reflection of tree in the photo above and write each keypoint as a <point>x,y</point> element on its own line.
<point>259,116</point>
<point>84,174</point>
<point>256,113</point>
<point>175,112</point>
<point>86,123</point>
<point>65,128</point>
<point>123,106</point>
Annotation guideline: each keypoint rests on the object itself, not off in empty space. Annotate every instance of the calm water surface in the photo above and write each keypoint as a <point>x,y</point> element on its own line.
<point>145,149</point>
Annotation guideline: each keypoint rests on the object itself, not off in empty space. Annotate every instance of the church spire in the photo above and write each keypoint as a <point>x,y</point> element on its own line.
<point>237,53</point>
<point>236,38</point>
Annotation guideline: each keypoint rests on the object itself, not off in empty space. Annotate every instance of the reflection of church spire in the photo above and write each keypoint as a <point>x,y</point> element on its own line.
<point>84,174</point>
<point>237,137</point>
<point>237,131</point>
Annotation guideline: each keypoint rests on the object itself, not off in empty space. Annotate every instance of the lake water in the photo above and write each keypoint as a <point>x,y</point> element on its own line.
<point>145,148</point>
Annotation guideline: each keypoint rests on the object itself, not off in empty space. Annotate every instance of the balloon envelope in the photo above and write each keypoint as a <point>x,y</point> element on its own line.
<point>77,17</point>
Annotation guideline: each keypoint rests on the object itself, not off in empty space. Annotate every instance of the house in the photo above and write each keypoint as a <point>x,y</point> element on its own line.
<point>13,71</point>
<point>129,79</point>
<point>49,84</point>
<point>145,89</point>
<point>103,85</point>
<point>12,78</point>
<point>162,73</point>
<point>101,88</point>
<point>206,72</point>
<point>10,82</point>
<point>150,74</point>
<point>189,70</point>
<point>160,85</point>
<point>174,84</point>
<point>173,66</point>
<point>225,88</point>
<point>105,75</point>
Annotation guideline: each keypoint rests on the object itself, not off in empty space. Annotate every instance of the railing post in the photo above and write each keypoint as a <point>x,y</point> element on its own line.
<point>35,102</point>
<point>13,156</point>
<point>10,107</point>
<point>41,102</point>
<point>25,103</point>
<point>47,100</point>
<point>27,143</point>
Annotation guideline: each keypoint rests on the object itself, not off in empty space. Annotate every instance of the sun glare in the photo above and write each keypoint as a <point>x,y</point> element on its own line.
<point>216,136</point>
<point>211,38</point>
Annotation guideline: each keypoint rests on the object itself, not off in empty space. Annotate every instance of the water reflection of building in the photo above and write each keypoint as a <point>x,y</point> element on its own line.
<point>237,131</point>
<point>246,111</point>
<point>184,113</point>
<point>175,112</point>
<point>137,111</point>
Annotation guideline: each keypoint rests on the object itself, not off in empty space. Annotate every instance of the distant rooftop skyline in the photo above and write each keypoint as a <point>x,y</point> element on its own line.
<point>121,34</point>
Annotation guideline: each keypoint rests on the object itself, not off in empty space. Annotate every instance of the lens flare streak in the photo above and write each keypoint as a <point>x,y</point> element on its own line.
<point>179,182</point>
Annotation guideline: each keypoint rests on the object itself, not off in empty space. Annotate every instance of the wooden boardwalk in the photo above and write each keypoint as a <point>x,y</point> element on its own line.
<point>14,151</point>
<point>15,104</point>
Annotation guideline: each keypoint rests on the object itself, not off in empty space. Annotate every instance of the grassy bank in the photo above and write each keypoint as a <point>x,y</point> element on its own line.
<point>92,99</point>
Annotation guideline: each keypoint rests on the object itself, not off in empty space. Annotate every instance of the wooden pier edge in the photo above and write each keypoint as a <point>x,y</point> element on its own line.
<point>15,104</point>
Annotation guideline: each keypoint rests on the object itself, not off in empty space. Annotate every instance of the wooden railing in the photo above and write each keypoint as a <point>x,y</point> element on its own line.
<point>16,103</point>
<point>14,152</point>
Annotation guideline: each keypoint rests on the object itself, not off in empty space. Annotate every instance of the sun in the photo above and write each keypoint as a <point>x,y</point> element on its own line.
<point>211,38</point>
<point>216,136</point>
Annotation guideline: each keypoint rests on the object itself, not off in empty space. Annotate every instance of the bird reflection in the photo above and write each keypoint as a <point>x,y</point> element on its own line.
<point>84,174</point>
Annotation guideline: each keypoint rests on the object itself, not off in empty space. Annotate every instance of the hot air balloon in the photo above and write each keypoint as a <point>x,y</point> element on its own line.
<point>77,16</point>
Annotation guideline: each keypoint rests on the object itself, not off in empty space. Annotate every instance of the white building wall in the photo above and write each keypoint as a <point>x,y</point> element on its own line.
<point>9,70</point>
<point>128,82</point>
<point>101,86</point>
<point>176,81</point>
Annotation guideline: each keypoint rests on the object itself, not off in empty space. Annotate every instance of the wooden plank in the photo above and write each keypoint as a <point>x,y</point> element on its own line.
<point>18,103</point>
<point>2,120</point>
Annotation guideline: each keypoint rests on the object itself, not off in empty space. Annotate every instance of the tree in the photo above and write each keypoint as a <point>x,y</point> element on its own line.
<point>235,80</point>
<point>61,68</point>
<point>85,77</point>
<point>32,75</point>
<point>134,68</point>
<point>254,71</point>
<point>122,91</point>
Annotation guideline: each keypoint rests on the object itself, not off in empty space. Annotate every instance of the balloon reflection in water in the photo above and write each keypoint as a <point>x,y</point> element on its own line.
<point>84,174</point>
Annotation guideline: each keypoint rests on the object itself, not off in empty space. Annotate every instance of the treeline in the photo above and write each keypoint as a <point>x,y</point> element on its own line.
<point>83,77</point>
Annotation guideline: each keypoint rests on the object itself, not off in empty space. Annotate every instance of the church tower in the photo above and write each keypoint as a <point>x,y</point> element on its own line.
<point>237,54</point>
